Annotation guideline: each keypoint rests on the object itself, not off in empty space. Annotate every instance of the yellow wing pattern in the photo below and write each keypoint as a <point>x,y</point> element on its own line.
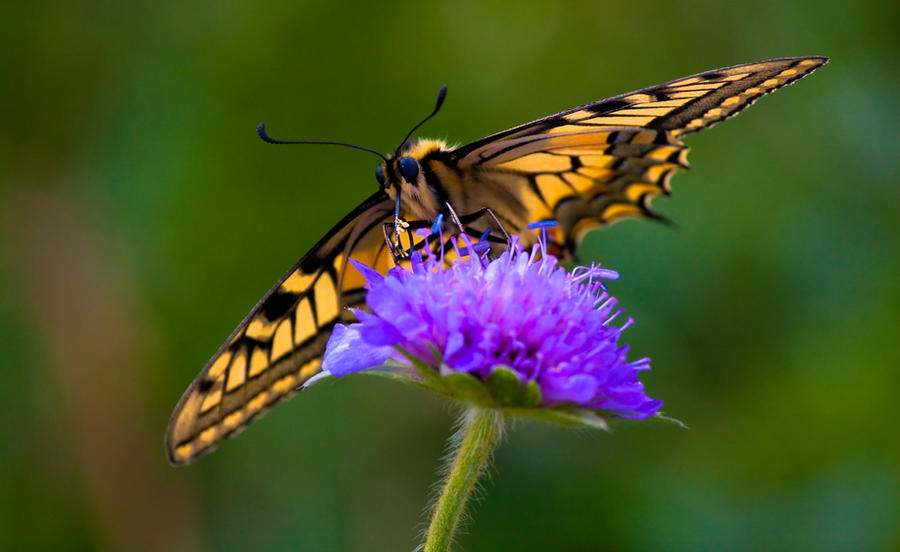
<point>278,346</point>
<point>594,164</point>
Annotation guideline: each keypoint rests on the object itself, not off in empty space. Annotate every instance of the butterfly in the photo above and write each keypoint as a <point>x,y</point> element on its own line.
<point>585,167</point>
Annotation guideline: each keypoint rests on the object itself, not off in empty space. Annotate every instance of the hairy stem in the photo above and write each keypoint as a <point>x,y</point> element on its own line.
<point>479,434</point>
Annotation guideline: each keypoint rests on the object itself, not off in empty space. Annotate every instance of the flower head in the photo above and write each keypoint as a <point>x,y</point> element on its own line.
<point>520,313</point>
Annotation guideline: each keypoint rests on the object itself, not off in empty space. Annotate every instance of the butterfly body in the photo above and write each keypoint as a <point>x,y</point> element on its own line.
<point>585,167</point>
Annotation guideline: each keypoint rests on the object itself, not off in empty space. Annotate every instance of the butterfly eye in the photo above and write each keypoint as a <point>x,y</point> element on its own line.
<point>409,169</point>
<point>379,175</point>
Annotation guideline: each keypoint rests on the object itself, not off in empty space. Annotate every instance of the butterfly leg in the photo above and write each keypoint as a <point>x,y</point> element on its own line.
<point>396,231</point>
<point>400,234</point>
<point>398,222</point>
<point>454,217</point>
<point>472,217</point>
<point>393,237</point>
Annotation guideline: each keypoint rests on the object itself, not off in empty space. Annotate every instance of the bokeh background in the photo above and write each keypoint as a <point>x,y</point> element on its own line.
<point>141,218</point>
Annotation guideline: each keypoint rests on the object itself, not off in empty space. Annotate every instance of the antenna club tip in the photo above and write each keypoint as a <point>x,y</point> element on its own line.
<point>261,131</point>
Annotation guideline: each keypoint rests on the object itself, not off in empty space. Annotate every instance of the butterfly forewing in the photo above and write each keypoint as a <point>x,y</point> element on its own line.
<point>279,344</point>
<point>600,162</point>
<point>672,105</point>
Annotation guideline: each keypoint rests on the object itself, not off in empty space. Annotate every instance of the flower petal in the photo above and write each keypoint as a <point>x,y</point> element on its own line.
<point>578,388</point>
<point>370,274</point>
<point>347,352</point>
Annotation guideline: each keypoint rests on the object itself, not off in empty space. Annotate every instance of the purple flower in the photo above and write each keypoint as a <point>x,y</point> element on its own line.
<point>520,312</point>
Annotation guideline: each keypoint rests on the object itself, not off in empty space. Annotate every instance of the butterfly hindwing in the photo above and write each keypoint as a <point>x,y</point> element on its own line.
<point>278,346</point>
<point>599,162</point>
<point>580,179</point>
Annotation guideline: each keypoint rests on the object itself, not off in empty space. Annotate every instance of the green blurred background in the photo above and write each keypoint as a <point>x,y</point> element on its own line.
<point>142,218</point>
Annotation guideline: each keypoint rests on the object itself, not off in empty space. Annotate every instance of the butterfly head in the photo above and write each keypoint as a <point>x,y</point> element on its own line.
<point>405,165</point>
<point>389,173</point>
<point>406,174</point>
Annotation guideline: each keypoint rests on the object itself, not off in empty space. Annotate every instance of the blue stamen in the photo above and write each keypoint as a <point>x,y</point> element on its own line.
<point>543,224</point>
<point>438,220</point>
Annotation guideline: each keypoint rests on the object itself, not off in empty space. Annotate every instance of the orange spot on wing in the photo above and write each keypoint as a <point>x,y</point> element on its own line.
<point>260,328</point>
<point>662,153</point>
<point>635,191</point>
<point>552,188</point>
<point>184,451</point>
<point>232,420</point>
<point>283,342</point>
<point>219,365</point>
<point>538,162</point>
<point>284,384</point>
<point>619,210</point>
<point>737,76</point>
<point>256,403</point>
<point>654,173</point>
<point>207,435</point>
<point>236,376</point>
<point>695,123</point>
<point>643,137</point>
<point>620,121</point>
<point>578,115</point>
<point>596,173</point>
<point>686,94</point>
<point>640,110</point>
<point>601,161</point>
<point>211,400</point>
<point>304,325</point>
<point>639,98</point>
<point>258,362</point>
<point>326,300</point>
<point>297,282</point>
<point>309,369</point>
<point>581,183</point>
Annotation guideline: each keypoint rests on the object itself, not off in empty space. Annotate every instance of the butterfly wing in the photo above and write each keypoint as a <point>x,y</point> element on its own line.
<point>594,164</point>
<point>278,346</point>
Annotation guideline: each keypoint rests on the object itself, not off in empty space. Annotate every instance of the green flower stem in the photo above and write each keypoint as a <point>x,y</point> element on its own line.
<point>477,438</point>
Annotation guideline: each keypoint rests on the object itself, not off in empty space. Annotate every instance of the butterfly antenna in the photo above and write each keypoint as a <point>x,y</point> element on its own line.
<point>442,94</point>
<point>261,130</point>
